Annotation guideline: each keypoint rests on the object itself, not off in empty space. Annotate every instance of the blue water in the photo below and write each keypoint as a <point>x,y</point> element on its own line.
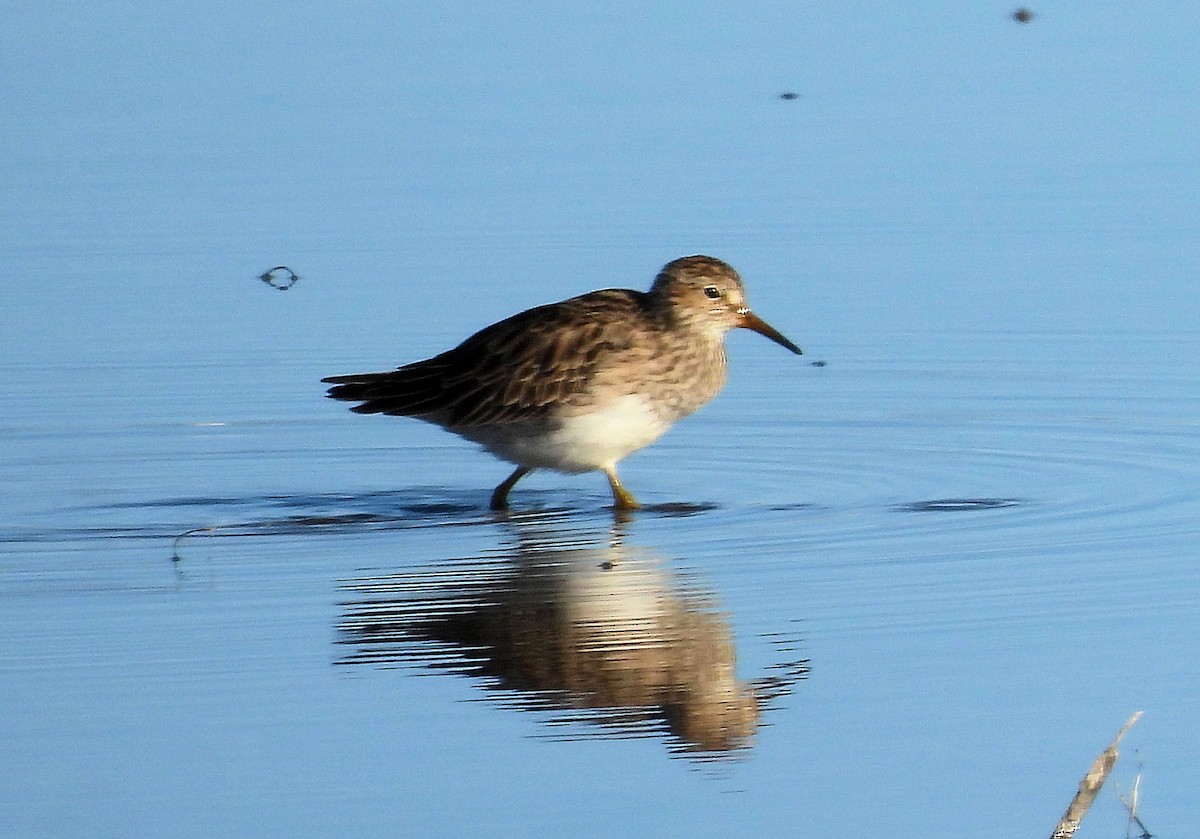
<point>918,586</point>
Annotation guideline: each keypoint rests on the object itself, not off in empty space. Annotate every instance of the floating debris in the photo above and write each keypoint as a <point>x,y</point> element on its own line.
<point>955,505</point>
<point>280,278</point>
<point>1022,15</point>
<point>1091,784</point>
<point>789,95</point>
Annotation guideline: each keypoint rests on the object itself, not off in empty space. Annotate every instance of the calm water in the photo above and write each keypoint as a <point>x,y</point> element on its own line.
<point>918,585</point>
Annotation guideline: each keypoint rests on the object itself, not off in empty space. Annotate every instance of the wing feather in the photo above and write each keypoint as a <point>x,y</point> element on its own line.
<point>514,370</point>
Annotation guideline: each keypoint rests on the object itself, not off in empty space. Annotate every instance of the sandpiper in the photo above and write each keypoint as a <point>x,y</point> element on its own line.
<point>576,386</point>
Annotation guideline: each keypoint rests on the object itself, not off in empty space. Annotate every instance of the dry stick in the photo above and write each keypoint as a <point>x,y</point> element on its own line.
<point>1131,803</point>
<point>1090,785</point>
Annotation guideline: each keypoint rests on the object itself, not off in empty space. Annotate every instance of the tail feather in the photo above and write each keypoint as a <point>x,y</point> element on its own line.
<point>414,390</point>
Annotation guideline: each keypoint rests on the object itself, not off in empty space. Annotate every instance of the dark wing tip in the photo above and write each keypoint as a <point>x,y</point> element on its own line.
<point>353,387</point>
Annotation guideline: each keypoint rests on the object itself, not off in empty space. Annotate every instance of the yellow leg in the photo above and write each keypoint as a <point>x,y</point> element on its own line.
<point>500,496</point>
<point>622,500</point>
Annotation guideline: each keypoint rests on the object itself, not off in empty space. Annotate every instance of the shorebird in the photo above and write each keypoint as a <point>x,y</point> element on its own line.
<point>576,386</point>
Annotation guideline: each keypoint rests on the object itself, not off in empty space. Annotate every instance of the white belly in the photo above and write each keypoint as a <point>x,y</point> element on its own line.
<point>581,443</point>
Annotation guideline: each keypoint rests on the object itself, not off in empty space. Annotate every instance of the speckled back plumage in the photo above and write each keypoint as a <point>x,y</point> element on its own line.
<point>559,358</point>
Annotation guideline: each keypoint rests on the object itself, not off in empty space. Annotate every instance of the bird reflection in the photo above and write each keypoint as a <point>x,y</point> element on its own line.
<point>591,629</point>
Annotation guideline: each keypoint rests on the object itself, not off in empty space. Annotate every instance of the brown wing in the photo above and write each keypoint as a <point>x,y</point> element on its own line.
<point>510,371</point>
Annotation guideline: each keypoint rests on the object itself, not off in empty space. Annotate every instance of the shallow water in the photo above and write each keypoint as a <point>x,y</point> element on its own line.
<point>913,579</point>
<point>972,581</point>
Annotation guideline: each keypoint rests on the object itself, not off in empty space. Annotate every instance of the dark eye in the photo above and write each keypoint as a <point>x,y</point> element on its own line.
<point>712,292</point>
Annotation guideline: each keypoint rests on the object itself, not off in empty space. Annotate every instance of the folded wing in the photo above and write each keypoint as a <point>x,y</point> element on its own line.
<point>511,371</point>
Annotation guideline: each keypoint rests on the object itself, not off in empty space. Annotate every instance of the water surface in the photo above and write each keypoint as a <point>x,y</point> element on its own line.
<point>921,583</point>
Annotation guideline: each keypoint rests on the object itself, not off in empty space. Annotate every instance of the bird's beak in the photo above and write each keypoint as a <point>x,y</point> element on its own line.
<point>749,320</point>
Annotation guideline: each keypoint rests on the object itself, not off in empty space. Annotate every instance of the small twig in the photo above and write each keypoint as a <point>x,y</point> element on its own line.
<point>1131,804</point>
<point>1090,785</point>
<point>175,557</point>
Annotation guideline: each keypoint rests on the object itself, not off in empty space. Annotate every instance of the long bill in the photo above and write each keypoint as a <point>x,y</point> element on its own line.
<point>757,324</point>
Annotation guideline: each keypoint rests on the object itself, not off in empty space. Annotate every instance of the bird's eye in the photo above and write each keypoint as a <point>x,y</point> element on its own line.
<point>712,292</point>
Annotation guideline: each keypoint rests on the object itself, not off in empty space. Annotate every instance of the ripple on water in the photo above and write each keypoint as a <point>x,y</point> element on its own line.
<point>956,505</point>
<point>953,495</point>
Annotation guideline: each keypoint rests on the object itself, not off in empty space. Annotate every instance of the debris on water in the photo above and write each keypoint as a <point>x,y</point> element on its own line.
<point>955,505</point>
<point>280,278</point>
<point>1022,15</point>
<point>789,95</point>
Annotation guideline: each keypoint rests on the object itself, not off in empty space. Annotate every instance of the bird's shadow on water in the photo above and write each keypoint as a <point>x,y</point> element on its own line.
<point>565,619</point>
